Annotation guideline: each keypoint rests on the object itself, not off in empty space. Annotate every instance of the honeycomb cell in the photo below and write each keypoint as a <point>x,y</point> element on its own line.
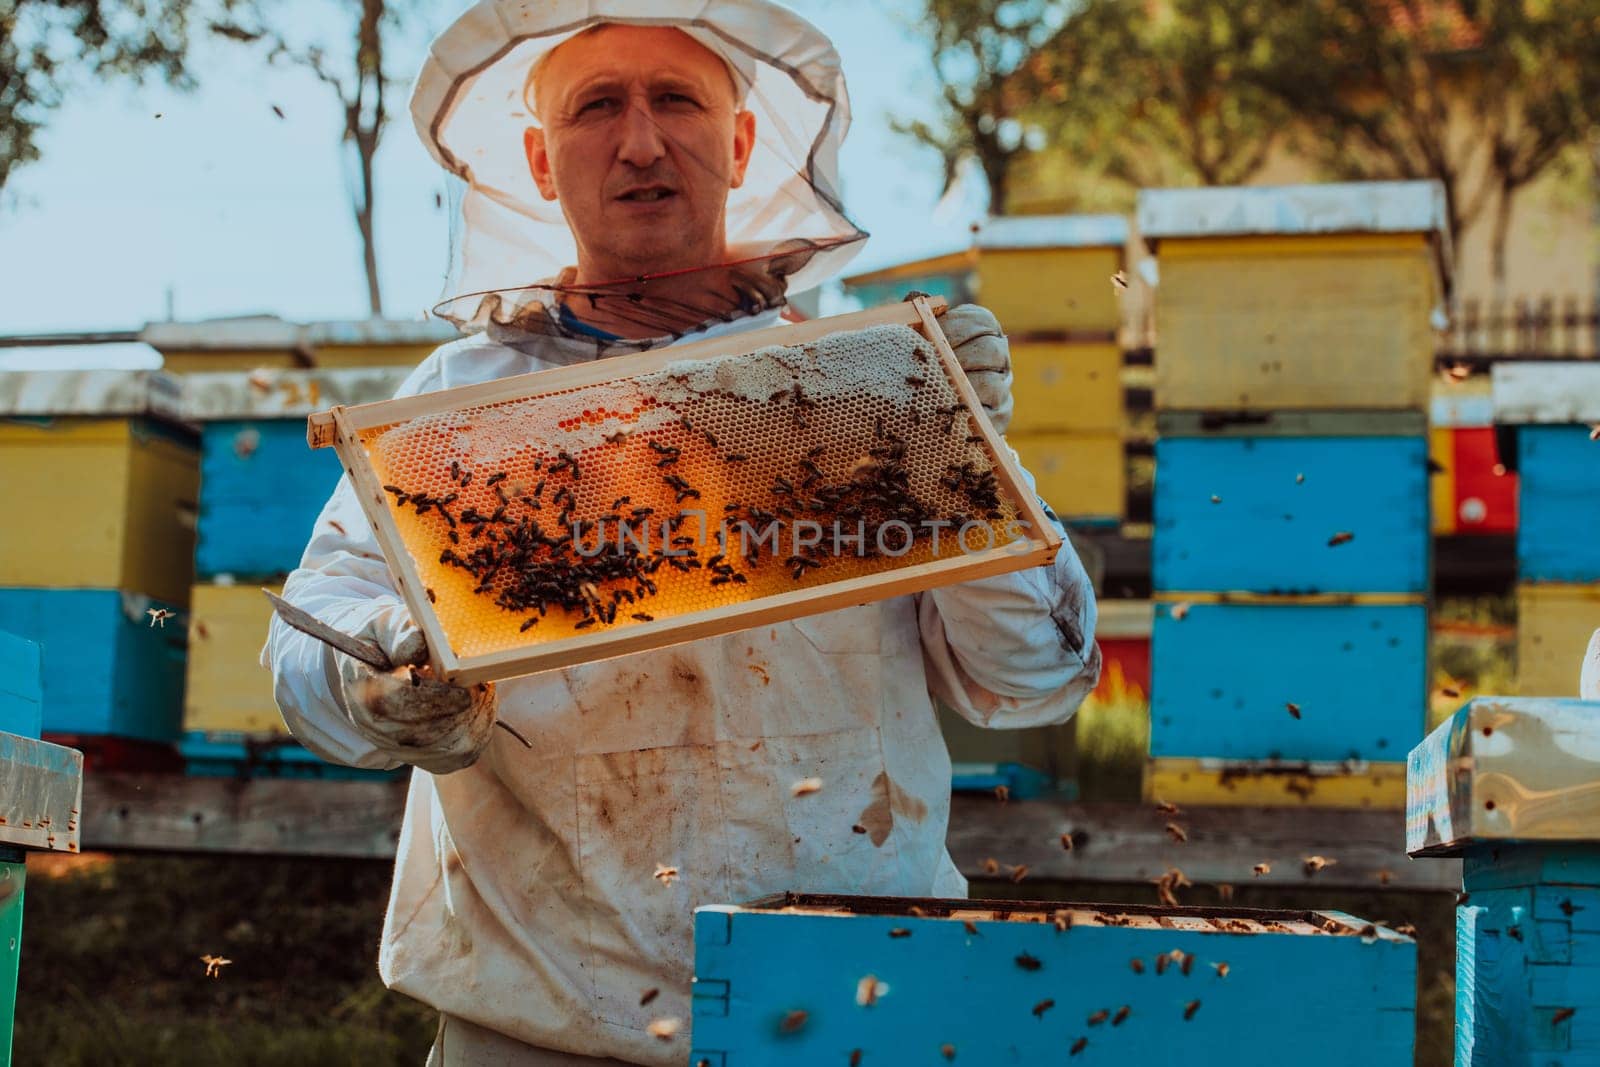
<point>656,496</point>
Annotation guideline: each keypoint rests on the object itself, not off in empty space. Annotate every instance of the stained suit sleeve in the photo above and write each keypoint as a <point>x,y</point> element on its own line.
<point>1016,650</point>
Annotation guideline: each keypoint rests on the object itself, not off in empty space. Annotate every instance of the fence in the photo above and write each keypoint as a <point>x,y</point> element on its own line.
<point>1522,328</point>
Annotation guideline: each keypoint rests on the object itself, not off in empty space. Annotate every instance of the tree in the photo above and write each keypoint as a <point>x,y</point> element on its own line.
<point>1482,95</point>
<point>49,46</point>
<point>979,50</point>
<point>360,87</point>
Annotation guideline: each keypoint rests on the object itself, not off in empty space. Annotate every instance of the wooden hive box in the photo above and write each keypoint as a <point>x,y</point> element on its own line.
<point>103,480</point>
<point>1554,622</point>
<point>1508,784</point>
<point>227,688</point>
<point>106,668</point>
<point>1224,674</point>
<point>811,979</point>
<point>266,342</point>
<point>1049,276</point>
<point>1082,477</point>
<point>21,686</point>
<point>261,489</point>
<point>1063,386</point>
<point>1474,492</point>
<point>1558,475</point>
<point>1308,296</point>
<point>794,423</point>
<point>1259,508</point>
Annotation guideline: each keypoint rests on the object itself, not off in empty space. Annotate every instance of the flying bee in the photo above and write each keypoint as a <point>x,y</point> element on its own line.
<point>1179,610</point>
<point>1313,864</point>
<point>1224,892</point>
<point>1164,808</point>
<point>991,866</point>
<point>1066,841</point>
<point>1161,965</point>
<point>1368,934</point>
<point>159,616</point>
<point>1178,834</point>
<point>1261,868</point>
<point>214,965</point>
<point>805,787</point>
<point>970,926</point>
<point>1002,793</point>
<point>868,990</point>
<point>664,1029</point>
<point>1019,872</point>
<point>649,995</point>
<point>948,1051</point>
<point>1120,279</point>
<point>665,875</point>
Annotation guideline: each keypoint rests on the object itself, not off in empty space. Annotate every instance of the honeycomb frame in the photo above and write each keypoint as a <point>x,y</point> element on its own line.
<point>468,644</point>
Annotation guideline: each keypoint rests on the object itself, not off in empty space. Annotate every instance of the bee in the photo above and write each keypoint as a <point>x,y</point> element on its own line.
<point>664,1029</point>
<point>1120,280</point>
<point>527,624</point>
<point>642,617</point>
<point>1078,1046</point>
<point>855,1057</point>
<point>1292,708</point>
<point>1178,834</point>
<point>1099,1017</point>
<point>1137,965</point>
<point>1215,499</point>
<point>1368,934</point>
<point>1043,1006</point>
<point>1179,610</point>
<point>1561,1015</point>
<point>649,995</point>
<point>1261,868</point>
<point>1019,872</point>
<point>159,616</point>
<point>948,1051</point>
<point>1164,808</point>
<point>1002,793</point>
<point>1340,538</point>
<point>1384,876</point>
<point>1313,864</point>
<point>970,926</point>
<point>857,828</point>
<point>793,1021</point>
<point>1224,892</point>
<point>214,965</point>
<point>1406,930</point>
<point>1062,921</point>
<point>1189,1010</point>
<point>431,598</point>
<point>805,787</point>
<point>1027,962</point>
<point>1066,842</point>
<point>899,931</point>
<point>919,912</point>
<point>665,875</point>
<point>1161,965</point>
<point>1121,1016</point>
<point>1299,479</point>
<point>868,990</point>
<point>584,624</point>
<point>1186,962</point>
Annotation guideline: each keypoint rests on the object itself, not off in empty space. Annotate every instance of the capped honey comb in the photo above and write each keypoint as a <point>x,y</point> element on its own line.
<point>560,517</point>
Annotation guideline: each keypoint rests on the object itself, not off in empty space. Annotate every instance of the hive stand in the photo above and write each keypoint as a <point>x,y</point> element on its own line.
<point>1510,785</point>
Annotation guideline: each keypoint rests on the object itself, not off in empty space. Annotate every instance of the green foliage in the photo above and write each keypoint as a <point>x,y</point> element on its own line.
<point>111,971</point>
<point>50,47</point>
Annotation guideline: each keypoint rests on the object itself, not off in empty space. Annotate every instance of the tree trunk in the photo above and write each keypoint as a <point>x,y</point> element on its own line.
<point>1502,233</point>
<point>364,223</point>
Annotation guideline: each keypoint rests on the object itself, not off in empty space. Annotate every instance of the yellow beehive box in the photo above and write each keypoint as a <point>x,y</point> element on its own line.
<point>1554,623</point>
<point>1313,296</point>
<point>1051,274</point>
<point>1066,386</point>
<point>1081,476</point>
<point>227,689</point>
<point>103,482</point>
<point>269,342</point>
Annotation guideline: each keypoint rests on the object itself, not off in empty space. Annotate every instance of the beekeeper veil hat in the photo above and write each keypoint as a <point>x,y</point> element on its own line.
<point>510,246</point>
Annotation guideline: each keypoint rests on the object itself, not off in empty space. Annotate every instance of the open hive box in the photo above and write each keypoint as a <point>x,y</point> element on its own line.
<point>574,514</point>
<point>809,979</point>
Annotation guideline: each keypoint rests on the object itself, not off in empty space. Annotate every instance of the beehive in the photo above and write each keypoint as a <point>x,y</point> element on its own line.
<point>1507,783</point>
<point>1554,621</point>
<point>1081,476</point>
<point>493,502</point>
<point>107,667</point>
<point>1312,296</point>
<point>108,476</point>
<point>260,489</point>
<point>1292,515</point>
<point>227,688</point>
<point>1558,472</point>
<point>1224,677</point>
<point>812,979</point>
<point>1061,386</point>
<point>21,687</point>
<point>243,345</point>
<point>1050,275</point>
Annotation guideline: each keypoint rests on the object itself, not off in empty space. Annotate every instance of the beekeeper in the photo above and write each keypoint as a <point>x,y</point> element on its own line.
<point>673,175</point>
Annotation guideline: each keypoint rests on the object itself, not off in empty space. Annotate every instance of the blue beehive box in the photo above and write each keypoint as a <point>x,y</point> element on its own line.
<point>261,485</point>
<point>1257,514</point>
<point>21,691</point>
<point>1223,675</point>
<point>261,489</point>
<point>808,980</point>
<point>223,755</point>
<point>1559,490</point>
<point>106,668</point>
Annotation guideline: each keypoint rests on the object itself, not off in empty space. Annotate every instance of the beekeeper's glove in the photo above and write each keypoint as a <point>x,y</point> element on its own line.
<point>985,354</point>
<point>433,725</point>
<point>1589,681</point>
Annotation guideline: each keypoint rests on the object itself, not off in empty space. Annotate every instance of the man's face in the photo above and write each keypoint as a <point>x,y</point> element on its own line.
<point>641,142</point>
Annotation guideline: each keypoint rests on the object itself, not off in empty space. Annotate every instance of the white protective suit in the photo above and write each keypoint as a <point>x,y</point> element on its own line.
<point>1589,677</point>
<point>524,897</point>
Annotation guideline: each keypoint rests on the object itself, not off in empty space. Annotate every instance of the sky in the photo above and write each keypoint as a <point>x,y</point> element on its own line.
<point>209,204</point>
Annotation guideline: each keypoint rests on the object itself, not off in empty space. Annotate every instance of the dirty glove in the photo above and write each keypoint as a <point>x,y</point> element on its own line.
<point>985,355</point>
<point>1589,681</point>
<point>433,725</point>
